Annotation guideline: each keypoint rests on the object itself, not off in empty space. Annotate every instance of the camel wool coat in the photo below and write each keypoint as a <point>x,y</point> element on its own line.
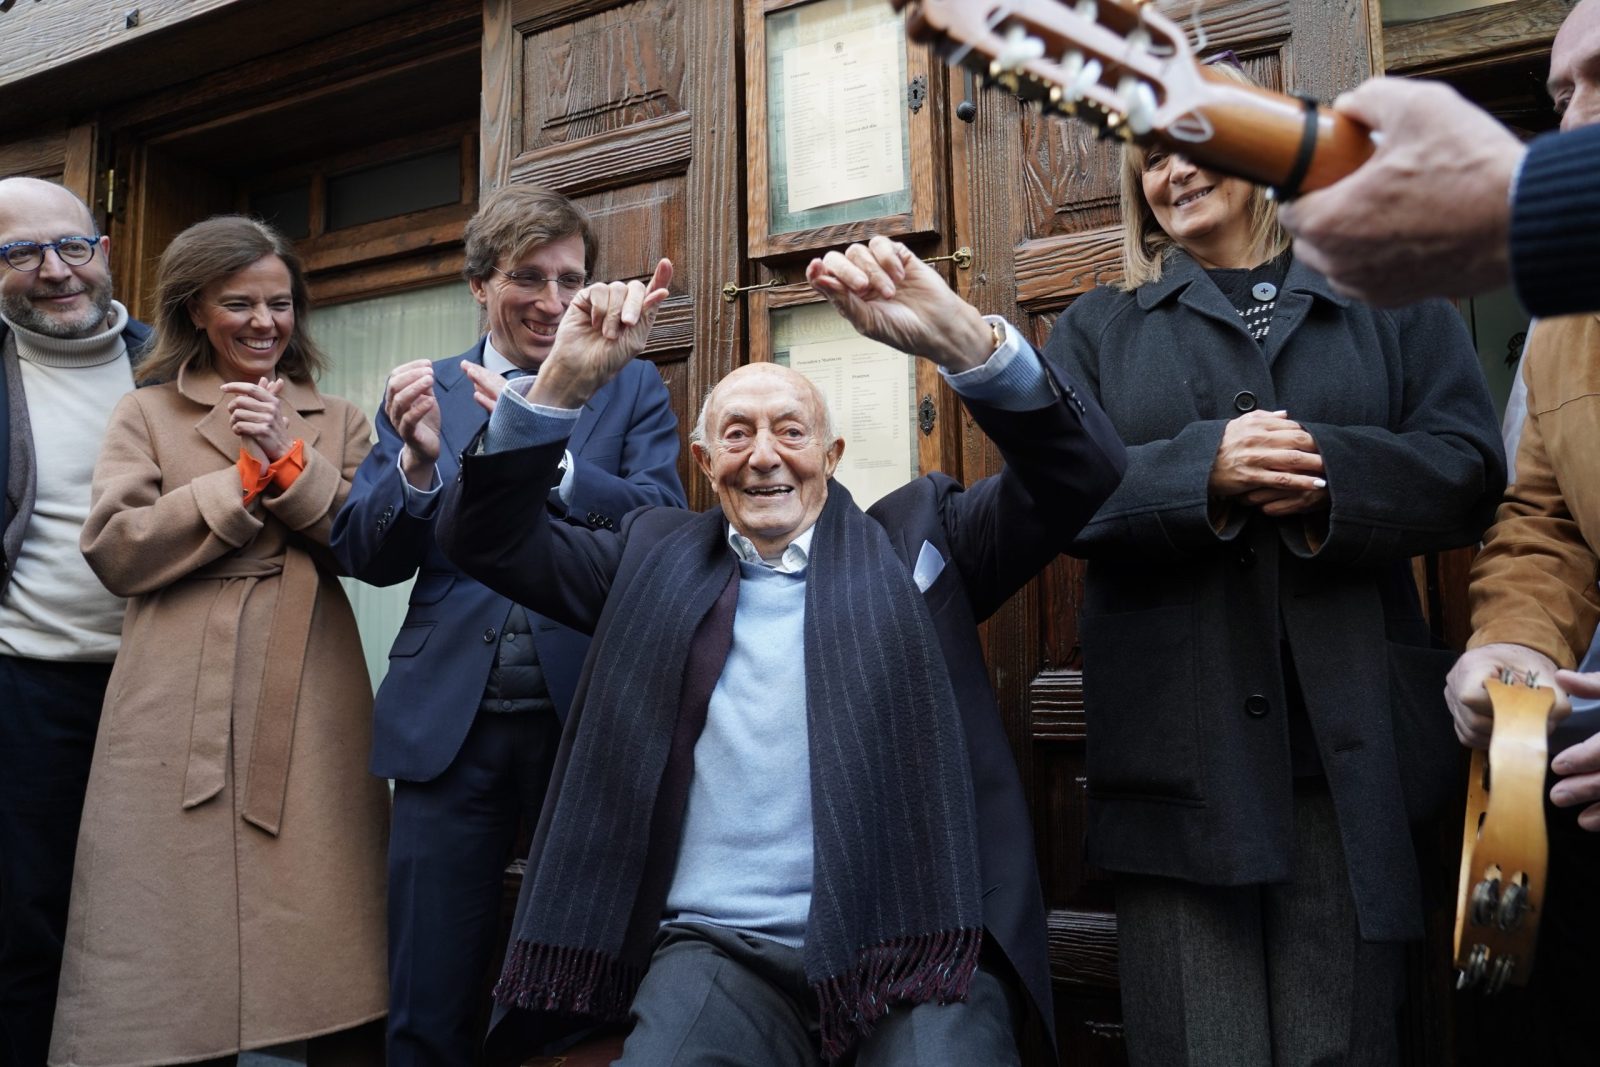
<point>229,888</point>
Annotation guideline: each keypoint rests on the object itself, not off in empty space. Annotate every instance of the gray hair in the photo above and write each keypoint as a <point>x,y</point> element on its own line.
<point>697,436</point>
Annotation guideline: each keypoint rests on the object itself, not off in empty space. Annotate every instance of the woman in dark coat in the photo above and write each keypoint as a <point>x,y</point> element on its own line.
<point>1266,719</point>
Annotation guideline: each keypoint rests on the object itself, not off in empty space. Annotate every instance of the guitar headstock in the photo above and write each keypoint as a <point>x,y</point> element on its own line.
<point>1127,69</point>
<point>1112,63</point>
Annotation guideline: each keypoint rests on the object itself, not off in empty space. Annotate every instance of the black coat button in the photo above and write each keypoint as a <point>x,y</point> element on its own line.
<point>1256,705</point>
<point>1244,400</point>
<point>488,636</point>
<point>1247,556</point>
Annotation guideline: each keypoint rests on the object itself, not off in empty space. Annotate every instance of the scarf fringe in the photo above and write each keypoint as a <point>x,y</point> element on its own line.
<point>935,967</point>
<point>571,981</point>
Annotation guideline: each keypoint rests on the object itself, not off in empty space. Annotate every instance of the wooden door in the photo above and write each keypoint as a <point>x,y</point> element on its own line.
<point>633,110</point>
<point>1037,197</point>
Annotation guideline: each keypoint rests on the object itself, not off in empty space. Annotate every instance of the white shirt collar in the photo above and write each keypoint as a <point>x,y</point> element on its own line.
<point>795,556</point>
<point>493,360</point>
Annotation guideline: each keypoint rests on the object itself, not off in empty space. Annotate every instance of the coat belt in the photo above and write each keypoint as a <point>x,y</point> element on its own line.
<point>267,777</point>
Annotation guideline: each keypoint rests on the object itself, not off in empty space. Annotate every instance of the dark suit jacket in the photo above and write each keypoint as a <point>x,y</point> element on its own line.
<point>1186,628</point>
<point>135,335</point>
<point>1555,224</point>
<point>624,449</point>
<point>1063,460</point>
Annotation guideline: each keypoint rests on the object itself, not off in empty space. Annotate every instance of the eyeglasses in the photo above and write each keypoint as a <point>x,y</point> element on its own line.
<point>28,256</point>
<point>566,284</point>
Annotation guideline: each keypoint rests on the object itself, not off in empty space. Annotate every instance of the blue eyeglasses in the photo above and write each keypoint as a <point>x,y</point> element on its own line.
<point>28,256</point>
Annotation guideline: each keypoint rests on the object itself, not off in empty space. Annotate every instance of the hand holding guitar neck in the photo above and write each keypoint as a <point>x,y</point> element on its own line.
<point>1128,70</point>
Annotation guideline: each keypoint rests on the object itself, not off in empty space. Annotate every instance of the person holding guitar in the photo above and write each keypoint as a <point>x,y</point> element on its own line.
<point>1265,716</point>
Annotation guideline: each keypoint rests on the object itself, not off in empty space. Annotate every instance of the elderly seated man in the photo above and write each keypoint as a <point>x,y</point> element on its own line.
<point>785,825</point>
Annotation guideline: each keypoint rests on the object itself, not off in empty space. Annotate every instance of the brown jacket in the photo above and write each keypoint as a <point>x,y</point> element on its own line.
<point>229,889</point>
<point>1534,582</point>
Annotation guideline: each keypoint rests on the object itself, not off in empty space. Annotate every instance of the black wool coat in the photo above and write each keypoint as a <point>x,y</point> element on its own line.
<point>1184,625</point>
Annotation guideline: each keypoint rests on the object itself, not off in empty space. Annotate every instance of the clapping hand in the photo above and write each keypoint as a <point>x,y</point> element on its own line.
<point>255,415</point>
<point>412,408</point>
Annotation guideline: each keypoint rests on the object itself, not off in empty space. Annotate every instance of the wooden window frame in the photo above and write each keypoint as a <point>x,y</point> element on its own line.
<point>927,155</point>
<point>407,251</point>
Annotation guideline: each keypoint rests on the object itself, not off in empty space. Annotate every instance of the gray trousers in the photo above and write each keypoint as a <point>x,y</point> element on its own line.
<point>719,998</point>
<point>1258,975</point>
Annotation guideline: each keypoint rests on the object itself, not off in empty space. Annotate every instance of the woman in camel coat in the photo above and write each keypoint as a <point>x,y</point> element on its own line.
<point>229,885</point>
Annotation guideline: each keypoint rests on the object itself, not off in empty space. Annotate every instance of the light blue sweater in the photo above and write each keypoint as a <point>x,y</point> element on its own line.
<point>745,859</point>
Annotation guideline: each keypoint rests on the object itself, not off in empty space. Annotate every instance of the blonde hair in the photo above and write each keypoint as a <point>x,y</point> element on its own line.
<point>208,251</point>
<point>1146,246</point>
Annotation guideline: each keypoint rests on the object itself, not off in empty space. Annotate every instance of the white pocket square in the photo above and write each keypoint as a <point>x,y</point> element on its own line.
<point>929,565</point>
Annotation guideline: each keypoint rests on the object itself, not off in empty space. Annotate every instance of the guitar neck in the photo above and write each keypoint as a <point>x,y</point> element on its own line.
<point>1257,134</point>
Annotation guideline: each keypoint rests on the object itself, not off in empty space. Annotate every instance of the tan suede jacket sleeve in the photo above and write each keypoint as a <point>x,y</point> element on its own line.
<point>1534,583</point>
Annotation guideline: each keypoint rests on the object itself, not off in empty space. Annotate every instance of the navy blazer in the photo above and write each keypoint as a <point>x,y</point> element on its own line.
<point>625,451</point>
<point>1062,462</point>
<point>135,335</point>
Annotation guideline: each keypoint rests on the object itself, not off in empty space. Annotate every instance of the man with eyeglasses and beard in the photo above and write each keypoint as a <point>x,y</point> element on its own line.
<point>467,720</point>
<point>66,346</point>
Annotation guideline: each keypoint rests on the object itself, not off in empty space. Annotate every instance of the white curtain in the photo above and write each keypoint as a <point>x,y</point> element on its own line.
<point>364,341</point>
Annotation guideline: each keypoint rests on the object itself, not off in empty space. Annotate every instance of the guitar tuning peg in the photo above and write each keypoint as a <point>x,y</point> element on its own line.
<point>1138,102</point>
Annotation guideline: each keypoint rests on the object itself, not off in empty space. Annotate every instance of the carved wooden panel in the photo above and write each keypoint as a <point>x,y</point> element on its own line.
<point>627,108</point>
<point>608,71</point>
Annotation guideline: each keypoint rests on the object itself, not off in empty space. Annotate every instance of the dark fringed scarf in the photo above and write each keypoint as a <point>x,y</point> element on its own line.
<point>896,915</point>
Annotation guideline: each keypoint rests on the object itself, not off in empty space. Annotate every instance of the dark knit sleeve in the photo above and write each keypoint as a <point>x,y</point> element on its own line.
<point>1555,224</point>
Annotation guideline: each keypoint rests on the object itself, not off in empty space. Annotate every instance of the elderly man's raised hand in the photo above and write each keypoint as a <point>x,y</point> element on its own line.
<point>604,327</point>
<point>891,296</point>
<point>1429,214</point>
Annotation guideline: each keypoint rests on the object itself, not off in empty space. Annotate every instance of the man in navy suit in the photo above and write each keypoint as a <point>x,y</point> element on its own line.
<point>467,719</point>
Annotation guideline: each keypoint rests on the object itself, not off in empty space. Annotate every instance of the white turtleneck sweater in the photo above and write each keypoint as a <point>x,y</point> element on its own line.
<point>54,608</point>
